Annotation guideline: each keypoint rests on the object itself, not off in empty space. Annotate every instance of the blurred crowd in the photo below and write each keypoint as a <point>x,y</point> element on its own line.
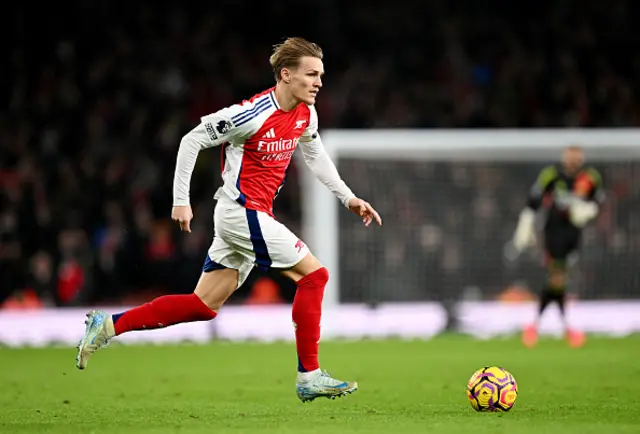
<point>92,113</point>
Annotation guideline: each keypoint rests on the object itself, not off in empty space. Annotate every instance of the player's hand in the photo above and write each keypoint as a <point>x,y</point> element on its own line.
<point>582,212</point>
<point>365,210</point>
<point>182,215</point>
<point>525,235</point>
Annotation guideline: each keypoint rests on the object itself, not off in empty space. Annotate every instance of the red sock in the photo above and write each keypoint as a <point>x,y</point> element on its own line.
<point>162,312</point>
<point>307,310</point>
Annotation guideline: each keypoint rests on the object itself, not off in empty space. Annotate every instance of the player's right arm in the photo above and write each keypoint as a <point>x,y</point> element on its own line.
<point>589,196</point>
<point>213,130</point>
<point>524,235</point>
<point>317,159</point>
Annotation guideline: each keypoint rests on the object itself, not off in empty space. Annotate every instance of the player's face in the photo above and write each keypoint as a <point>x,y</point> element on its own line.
<point>572,161</point>
<point>306,79</point>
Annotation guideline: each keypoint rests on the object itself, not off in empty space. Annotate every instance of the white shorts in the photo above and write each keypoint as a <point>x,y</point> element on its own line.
<point>245,238</point>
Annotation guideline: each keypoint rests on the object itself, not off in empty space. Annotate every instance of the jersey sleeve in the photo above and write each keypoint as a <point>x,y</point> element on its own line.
<point>220,127</point>
<point>319,162</point>
<point>542,185</point>
<point>311,132</point>
<point>213,130</point>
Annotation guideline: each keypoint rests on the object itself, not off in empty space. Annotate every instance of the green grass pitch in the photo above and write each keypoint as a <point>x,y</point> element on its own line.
<point>405,387</point>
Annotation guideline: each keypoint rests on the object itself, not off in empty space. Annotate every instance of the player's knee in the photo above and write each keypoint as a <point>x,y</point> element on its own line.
<point>309,264</point>
<point>312,264</point>
<point>322,275</point>
<point>215,287</point>
<point>557,278</point>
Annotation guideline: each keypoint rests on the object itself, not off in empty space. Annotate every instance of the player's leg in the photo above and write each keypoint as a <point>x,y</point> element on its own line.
<point>554,252</point>
<point>214,287</point>
<point>561,246</point>
<point>212,290</point>
<point>555,288</point>
<point>311,278</point>
<point>556,291</point>
<point>201,305</point>
<point>563,256</point>
<point>275,246</point>
<point>224,271</point>
<point>574,337</point>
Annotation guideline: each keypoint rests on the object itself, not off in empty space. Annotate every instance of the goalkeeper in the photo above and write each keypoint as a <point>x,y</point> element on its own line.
<point>571,192</point>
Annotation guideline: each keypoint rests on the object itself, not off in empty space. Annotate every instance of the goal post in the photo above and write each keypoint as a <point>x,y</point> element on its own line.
<point>392,152</point>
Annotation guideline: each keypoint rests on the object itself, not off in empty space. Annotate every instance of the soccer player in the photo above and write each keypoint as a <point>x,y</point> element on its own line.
<point>258,138</point>
<point>572,193</point>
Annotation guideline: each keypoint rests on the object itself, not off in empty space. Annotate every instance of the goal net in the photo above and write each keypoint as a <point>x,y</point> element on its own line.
<point>450,202</point>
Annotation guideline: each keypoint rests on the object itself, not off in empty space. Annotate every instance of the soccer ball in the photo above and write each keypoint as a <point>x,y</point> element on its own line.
<point>492,389</point>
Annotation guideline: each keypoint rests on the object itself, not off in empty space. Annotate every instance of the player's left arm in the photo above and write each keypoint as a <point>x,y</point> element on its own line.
<point>213,130</point>
<point>317,159</point>
<point>589,196</point>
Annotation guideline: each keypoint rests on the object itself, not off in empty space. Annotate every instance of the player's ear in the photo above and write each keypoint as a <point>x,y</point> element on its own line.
<point>286,75</point>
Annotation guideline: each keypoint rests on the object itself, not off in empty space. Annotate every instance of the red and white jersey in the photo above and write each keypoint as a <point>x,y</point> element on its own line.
<point>259,140</point>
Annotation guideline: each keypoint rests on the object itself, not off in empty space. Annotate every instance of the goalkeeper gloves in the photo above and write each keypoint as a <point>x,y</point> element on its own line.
<point>582,212</point>
<point>525,235</point>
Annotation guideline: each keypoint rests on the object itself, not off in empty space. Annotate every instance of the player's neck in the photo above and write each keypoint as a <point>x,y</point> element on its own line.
<point>286,100</point>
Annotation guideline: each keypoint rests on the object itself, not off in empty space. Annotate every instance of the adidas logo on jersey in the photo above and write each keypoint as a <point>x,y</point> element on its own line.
<point>271,134</point>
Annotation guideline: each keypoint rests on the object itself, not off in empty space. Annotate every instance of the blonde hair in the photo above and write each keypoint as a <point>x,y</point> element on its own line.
<point>288,53</point>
